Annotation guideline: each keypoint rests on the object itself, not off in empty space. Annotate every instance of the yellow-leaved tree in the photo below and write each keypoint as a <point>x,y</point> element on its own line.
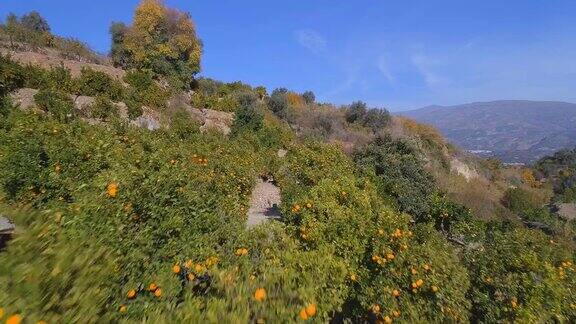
<point>160,40</point>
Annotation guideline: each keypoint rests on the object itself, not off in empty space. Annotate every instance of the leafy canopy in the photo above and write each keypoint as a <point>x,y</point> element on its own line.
<point>161,40</point>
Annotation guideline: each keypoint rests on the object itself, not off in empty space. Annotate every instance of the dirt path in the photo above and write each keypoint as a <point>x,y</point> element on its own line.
<point>263,203</point>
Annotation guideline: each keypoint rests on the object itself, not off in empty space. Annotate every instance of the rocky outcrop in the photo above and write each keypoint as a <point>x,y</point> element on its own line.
<point>150,119</point>
<point>463,169</point>
<point>209,120</point>
<point>215,120</point>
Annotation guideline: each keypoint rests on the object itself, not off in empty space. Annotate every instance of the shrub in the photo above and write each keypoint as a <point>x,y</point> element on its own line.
<point>309,97</point>
<point>331,209</point>
<point>103,108</point>
<point>278,102</point>
<point>399,171</point>
<point>94,83</point>
<point>58,104</point>
<point>11,75</point>
<point>183,125</point>
<point>376,119</point>
<point>356,112</point>
<point>36,77</point>
<point>248,118</point>
<point>34,22</point>
<point>144,90</point>
<point>521,276</point>
<point>60,79</point>
<point>119,53</point>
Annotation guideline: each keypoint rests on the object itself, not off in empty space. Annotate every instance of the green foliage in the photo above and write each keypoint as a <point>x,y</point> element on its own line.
<point>103,108</point>
<point>521,276</point>
<point>356,112</point>
<point>399,171</point>
<point>248,117</point>
<point>119,53</point>
<point>331,209</point>
<point>309,97</point>
<point>211,94</point>
<point>160,40</point>
<point>11,75</point>
<point>95,83</point>
<point>34,22</point>
<point>560,169</point>
<point>5,106</point>
<point>183,125</point>
<point>444,213</point>
<point>143,91</point>
<point>278,101</point>
<point>58,104</point>
<point>373,118</point>
<point>171,204</point>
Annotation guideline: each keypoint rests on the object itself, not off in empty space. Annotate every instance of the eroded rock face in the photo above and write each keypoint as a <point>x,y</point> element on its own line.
<point>24,98</point>
<point>463,169</point>
<point>150,119</point>
<point>212,119</point>
<point>567,211</point>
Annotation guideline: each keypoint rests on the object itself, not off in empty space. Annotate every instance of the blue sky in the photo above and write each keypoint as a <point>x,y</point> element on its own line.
<point>394,54</point>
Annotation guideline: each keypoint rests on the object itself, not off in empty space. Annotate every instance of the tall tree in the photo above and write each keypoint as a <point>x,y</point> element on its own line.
<point>161,40</point>
<point>34,21</point>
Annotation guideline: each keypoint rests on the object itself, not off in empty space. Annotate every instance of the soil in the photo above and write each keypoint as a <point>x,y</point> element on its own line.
<point>264,203</point>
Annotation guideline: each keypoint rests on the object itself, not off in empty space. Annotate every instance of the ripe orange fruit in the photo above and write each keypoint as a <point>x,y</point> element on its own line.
<point>191,276</point>
<point>311,309</point>
<point>260,294</point>
<point>303,314</point>
<point>376,308</point>
<point>14,319</point>
<point>387,319</point>
<point>152,287</point>
<point>434,289</point>
<point>112,189</point>
<point>396,313</point>
<point>123,309</point>
<point>158,292</point>
<point>131,293</point>
<point>353,277</point>
<point>514,303</point>
<point>419,282</point>
<point>395,292</point>
<point>176,268</point>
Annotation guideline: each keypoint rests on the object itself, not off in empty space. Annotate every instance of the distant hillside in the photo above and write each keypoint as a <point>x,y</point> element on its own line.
<point>513,130</point>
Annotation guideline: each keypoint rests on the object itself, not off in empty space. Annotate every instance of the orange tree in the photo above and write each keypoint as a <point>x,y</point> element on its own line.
<point>521,275</point>
<point>394,270</point>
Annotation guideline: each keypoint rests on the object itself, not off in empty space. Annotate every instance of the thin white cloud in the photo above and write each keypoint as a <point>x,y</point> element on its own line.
<point>311,40</point>
<point>424,66</point>
<point>384,68</point>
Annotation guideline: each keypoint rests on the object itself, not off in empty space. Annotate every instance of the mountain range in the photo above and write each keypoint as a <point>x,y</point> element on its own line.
<point>515,131</point>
